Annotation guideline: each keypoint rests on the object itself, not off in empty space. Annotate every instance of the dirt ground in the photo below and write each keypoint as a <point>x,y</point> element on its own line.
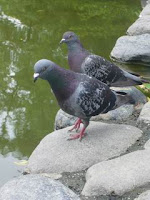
<point>76,181</point>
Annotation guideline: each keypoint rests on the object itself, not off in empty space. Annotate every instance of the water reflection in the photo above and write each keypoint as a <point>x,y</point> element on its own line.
<point>7,124</point>
<point>16,22</point>
<point>8,165</point>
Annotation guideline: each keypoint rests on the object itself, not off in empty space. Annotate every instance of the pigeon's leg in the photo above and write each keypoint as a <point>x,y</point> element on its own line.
<point>82,132</point>
<point>77,125</point>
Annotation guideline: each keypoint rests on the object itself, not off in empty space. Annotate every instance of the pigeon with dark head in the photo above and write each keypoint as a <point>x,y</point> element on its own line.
<point>82,61</point>
<point>78,94</point>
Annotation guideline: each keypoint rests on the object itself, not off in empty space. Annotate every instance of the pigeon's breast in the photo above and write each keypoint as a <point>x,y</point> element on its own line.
<point>75,61</point>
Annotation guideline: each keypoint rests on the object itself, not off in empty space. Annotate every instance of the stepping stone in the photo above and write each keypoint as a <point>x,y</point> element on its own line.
<point>119,175</point>
<point>55,154</point>
<point>144,118</point>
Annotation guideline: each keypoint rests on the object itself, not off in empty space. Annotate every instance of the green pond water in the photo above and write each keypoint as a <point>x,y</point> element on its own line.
<point>31,30</point>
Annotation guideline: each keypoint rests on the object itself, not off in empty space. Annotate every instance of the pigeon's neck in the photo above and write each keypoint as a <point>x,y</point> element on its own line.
<point>59,80</point>
<point>75,46</point>
<point>76,56</point>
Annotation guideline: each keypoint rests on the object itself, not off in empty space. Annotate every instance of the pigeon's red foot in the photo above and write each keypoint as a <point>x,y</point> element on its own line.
<point>78,135</point>
<point>77,125</point>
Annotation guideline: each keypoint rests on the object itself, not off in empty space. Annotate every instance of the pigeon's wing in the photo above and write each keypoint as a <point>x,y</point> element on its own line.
<point>95,97</point>
<point>109,73</point>
<point>101,69</point>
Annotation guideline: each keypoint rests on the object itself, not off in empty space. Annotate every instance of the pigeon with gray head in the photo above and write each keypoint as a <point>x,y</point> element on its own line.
<point>78,94</point>
<point>82,61</point>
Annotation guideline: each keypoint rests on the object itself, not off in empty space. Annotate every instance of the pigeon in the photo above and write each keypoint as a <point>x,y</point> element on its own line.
<point>79,94</point>
<point>82,61</point>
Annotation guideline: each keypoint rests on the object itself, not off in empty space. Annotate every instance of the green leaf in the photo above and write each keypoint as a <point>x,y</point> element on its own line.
<point>21,162</point>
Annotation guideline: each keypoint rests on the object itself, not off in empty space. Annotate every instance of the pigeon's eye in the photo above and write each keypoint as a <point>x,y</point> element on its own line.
<point>44,68</point>
<point>70,36</point>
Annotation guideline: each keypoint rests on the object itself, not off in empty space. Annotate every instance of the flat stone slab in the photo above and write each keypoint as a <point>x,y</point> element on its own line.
<point>55,154</point>
<point>144,118</point>
<point>132,49</point>
<point>144,196</point>
<point>119,175</point>
<point>140,26</point>
<point>35,187</point>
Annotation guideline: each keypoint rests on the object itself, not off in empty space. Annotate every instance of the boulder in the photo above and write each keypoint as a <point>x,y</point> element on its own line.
<point>132,49</point>
<point>147,145</point>
<point>119,114</point>
<point>140,26</point>
<point>35,187</point>
<point>55,154</point>
<point>145,11</point>
<point>135,47</point>
<point>144,118</point>
<point>144,3</point>
<point>119,175</point>
<point>63,120</point>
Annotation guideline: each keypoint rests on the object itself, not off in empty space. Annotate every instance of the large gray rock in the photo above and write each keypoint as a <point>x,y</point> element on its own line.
<point>63,119</point>
<point>35,187</point>
<point>145,11</point>
<point>144,3</point>
<point>144,196</point>
<point>140,26</point>
<point>132,49</point>
<point>147,145</point>
<point>119,175</point>
<point>144,118</point>
<point>55,154</point>
<point>119,114</point>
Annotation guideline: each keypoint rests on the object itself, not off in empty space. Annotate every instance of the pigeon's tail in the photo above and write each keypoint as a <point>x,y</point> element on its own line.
<point>145,80</point>
<point>141,79</point>
<point>135,79</point>
<point>131,80</point>
<point>123,98</point>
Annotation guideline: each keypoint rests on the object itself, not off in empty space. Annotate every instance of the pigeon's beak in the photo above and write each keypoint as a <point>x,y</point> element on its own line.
<point>62,41</point>
<point>35,76</point>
